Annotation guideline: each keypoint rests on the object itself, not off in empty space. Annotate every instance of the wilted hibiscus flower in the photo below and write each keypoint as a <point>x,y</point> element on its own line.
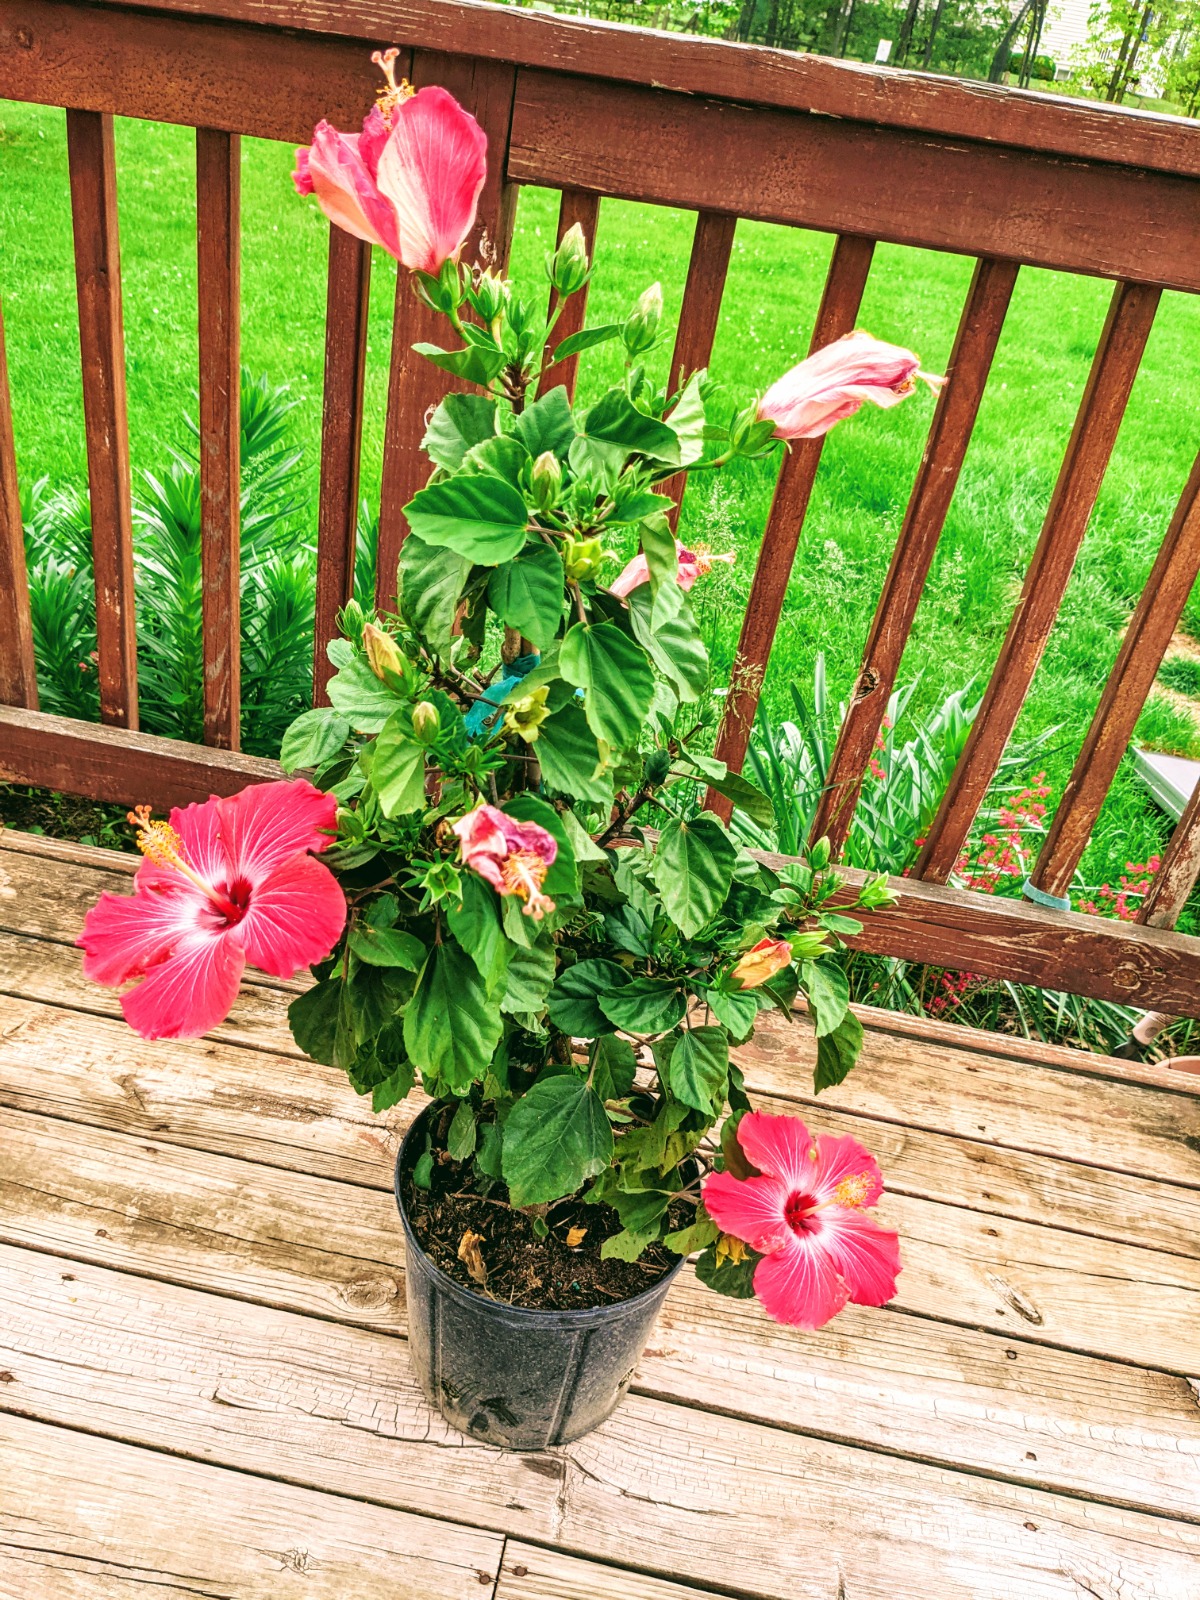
<point>514,857</point>
<point>410,181</point>
<point>833,383</point>
<point>804,1210</point>
<point>223,883</point>
<point>693,564</point>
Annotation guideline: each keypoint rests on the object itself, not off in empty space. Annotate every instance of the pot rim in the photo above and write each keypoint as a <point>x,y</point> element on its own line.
<point>543,1316</point>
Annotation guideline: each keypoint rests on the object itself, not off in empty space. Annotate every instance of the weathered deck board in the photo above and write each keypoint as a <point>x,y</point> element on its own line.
<point>918,1388</point>
<point>331,1407</point>
<point>90,1519</point>
<point>530,1573</point>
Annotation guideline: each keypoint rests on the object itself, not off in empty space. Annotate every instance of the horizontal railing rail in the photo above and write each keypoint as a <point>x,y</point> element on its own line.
<point>728,131</point>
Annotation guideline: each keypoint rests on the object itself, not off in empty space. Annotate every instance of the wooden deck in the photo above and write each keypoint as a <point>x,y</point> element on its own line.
<point>204,1390</point>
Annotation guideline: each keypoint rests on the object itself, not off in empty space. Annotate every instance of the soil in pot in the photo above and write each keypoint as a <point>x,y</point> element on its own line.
<point>468,1229</point>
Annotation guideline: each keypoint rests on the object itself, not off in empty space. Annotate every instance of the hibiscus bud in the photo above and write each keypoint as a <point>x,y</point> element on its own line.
<point>489,296</point>
<point>545,480</point>
<point>583,558</point>
<point>760,964</point>
<point>818,855</point>
<point>351,620</point>
<point>383,653</point>
<point>808,944</point>
<point>658,764</point>
<point>875,893</point>
<point>749,435</point>
<point>641,325</point>
<point>426,721</point>
<point>525,715</point>
<point>568,268</point>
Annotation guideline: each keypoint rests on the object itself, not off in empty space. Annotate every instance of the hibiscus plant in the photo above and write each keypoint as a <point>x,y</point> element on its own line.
<point>541,931</point>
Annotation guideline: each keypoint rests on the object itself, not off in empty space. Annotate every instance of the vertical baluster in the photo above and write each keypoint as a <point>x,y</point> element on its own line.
<point>347,304</point>
<point>1145,643</point>
<point>576,206</point>
<point>415,386</point>
<point>1114,369</point>
<point>18,677</point>
<point>93,170</point>
<point>1178,871</point>
<point>839,308</point>
<point>712,243</point>
<point>218,247</point>
<point>949,435</point>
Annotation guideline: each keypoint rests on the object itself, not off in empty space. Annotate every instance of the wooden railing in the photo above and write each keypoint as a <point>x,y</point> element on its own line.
<point>727,131</point>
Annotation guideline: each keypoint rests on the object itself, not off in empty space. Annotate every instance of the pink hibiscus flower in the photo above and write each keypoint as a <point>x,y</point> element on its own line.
<point>832,384</point>
<point>804,1210</point>
<point>513,857</point>
<point>410,181</point>
<point>693,564</point>
<point>761,963</point>
<point>223,883</point>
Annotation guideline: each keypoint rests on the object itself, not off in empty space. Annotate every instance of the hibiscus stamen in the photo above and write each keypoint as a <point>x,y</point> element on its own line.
<point>853,1192</point>
<point>160,844</point>
<point>523,872</point>
<point>396,93</point>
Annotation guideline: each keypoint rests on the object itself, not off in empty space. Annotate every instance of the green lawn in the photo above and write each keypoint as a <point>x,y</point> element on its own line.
<point>774,284</point>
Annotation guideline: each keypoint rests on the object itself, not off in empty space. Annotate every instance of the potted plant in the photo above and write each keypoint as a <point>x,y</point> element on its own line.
<point>519,908</point>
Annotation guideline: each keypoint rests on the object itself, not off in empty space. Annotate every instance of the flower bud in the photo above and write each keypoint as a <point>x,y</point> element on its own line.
<point>546,480</point>
<point>568,268</point>
<point>583,559</point>
<point>351,620</point>
<point>749,435</point>
<point>426,721</point>
<point>489,296</point>
<point>641,325</point>
<point>383,653</point>
<point>809,943</point>
<point>818,855</point>
<point>759,965</point>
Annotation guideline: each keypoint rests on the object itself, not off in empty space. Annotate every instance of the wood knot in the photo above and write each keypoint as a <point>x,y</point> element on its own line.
<point>1020,1303</point>
<point>868,682</point>
<point>369,1294</point>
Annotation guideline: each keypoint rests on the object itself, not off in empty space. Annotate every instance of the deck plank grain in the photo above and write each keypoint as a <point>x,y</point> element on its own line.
<point>335,1408</point>
<point>90,1519</point>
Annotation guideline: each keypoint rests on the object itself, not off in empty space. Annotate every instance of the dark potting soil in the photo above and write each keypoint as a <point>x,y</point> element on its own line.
<point>522,1270</point>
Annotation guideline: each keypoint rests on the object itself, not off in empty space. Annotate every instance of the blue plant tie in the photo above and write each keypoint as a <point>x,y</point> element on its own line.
<point>489,706</point>
<point>1052,902</point>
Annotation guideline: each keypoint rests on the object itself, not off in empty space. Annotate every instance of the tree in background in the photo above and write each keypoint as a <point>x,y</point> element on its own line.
<point>1183,70</point>
<point>1125,37</point>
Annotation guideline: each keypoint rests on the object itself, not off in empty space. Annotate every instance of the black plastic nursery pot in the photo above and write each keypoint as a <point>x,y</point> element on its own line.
<point>512,1375</point>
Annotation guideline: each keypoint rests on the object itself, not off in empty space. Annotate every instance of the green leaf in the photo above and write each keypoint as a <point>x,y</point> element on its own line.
<point>626,1245</point>
<point>837,1052</point>
<point>362,699</point>
<point>475,923</point>
<point>847,927</point>
<point>570,757</point>
<point>398,768</point>
<point>688,421</point>
<point>737,1009</point>
<point>547,424</point>
<point>476,363</point>
<point>527,593</point>
<point>615,429</point>
<point>585,847</point>
<point>616,678</point>
<point>574,1000</point>
<point>488,1156</point>
<point>735,1279</point>
<point>387,947</point>
<point>662,561</point>
<point>828,990</point>
<point>563,876</point>
<point>613,1065</point>
<point>504,457</point>
<point>700,1067</point>
<point>313,1019</point>
<point>556,1137</point>
<point>530,975</point>
<point>315,737</point>
<point>394,1088</point>
<point>431,585</point>
<point>585,339</point>
<point>745,795</point>
<point>665,625</point>
<point>475,514</point>
<point>646,1005</point>
<point>461,1139</point>
<point>450,1028</point>
<point>692,870</point>
<point>460,421</point>
<point>694,1237</point>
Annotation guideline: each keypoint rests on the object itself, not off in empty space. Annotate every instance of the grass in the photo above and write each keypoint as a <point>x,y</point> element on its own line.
<point>775,280</point>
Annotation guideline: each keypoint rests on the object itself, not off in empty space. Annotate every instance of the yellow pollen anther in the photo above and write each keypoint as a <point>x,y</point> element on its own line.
<point>396,93</point>
<point>157,841</point>
<point>852,1192</point>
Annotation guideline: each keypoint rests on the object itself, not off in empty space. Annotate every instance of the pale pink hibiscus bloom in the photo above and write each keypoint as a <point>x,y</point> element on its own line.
<point>832,384</point>
<point>761,963</point>
<point>693,564</point>
<point>224,883</point>
<point>514,857</point>
<point>804,1211</point>
<point>410,181</point>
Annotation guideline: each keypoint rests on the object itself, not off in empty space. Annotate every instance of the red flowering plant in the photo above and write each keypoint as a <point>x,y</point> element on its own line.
<point>565,984</point>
